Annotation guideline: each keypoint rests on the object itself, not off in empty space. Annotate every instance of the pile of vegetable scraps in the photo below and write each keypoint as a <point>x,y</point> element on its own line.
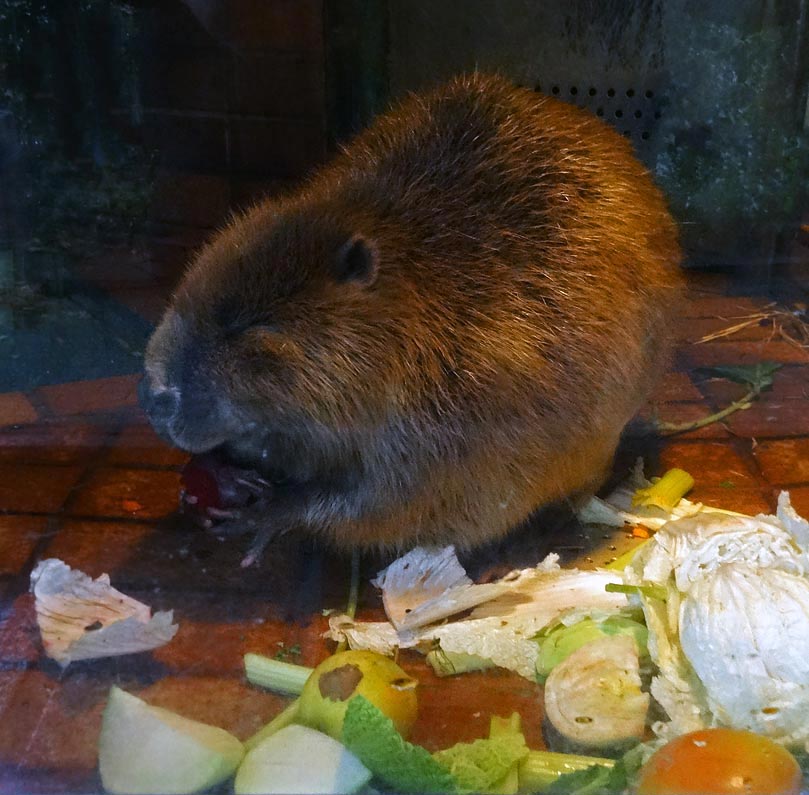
<point>682,667</point>
<point>705,625</point>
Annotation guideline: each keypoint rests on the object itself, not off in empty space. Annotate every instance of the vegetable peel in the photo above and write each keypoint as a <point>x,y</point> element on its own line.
<point>80,618</point>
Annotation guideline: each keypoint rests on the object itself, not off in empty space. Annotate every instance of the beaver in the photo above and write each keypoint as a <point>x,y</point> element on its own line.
<point>441,331</point>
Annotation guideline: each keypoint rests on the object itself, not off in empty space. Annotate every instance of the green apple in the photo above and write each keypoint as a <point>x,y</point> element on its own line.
<point>145,749</point>
<point>300,759</point>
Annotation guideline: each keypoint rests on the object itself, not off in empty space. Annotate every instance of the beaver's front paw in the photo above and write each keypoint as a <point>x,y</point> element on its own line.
<point>266,519</point>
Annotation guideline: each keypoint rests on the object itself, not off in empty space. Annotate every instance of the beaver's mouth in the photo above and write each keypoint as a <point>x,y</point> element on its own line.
<point>217,483</point>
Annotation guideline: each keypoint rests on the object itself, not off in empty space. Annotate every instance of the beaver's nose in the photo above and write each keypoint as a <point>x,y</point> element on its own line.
<point>161,405</point>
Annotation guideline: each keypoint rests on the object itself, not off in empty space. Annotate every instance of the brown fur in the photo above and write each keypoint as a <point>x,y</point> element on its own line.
<point>527,274</point>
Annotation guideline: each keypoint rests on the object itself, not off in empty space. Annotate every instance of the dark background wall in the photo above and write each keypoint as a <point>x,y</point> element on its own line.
<point>222,101</point>
<point>233,99</point>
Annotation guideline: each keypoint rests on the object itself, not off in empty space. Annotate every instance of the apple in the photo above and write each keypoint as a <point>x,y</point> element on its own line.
<point>146,749</point>
<point>299,759</point>
<point>326,693</point>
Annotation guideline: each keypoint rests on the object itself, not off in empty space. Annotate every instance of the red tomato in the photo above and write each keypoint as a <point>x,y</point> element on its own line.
<point>720,762</point>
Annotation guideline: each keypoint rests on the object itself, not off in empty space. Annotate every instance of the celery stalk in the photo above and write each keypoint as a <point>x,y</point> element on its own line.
<point>666,492</point>
<point>277,675</point>
<point>650,590</point>
<point>498,726</point>
<point>541,768</point>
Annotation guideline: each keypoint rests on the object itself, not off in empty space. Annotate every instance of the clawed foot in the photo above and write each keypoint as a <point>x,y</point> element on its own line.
<point>258,521</point>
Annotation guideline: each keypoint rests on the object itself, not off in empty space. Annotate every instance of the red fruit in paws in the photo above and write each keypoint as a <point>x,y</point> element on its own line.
<point>200,487</point>
<point>212,488</point>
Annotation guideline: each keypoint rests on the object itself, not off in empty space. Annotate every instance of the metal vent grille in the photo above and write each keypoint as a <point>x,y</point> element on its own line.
<point>634,109</point>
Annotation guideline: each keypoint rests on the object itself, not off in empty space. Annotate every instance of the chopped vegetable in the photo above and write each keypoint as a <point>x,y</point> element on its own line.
<point>372,737</point>
<point>558,642</point>
<point>484,764</point>
<point>452,663</point>
<point>542,769</point>
<point>283,677</point>
<point>332,684</point>
<point>500,630</point>
<point>666,492</point>
<point>429,584</point>
<point>146,749</point>
<point>82,619</point>
<point>509,784</point>
<point>594,699</point>
<point>619,507</point>
<point>298,759</point>
<point>720,762</point>
<point>731,640</point>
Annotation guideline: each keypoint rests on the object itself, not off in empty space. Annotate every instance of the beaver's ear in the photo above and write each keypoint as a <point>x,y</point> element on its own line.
<point>357,262</point>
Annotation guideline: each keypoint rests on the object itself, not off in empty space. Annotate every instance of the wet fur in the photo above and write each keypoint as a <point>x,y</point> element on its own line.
<point>510,317</point>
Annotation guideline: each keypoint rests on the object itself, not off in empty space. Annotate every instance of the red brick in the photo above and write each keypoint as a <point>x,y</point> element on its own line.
<point>59,440</point>
<point>712,354</point>
<point>768,418</point>
<point>722,391</point>
<point>800,500</point>
<point>784,462</point>
<point>34,488</point>
<point>16,409</point>
<point>134,493</point>
<point>722,306</point>
<point>18,537</point>
<point>229,703</point>
<point>458,709</point>
<point>99,547</point>
<point>744,500</point>
<point>789,383</point>
<point>19,634</point>
<point>139,445</point>
<point>244,623</point>
<point>675,387</point>
<point>709,463</point>
<point>49,721</point>
<point>693,329</point>
<point>85,397</point>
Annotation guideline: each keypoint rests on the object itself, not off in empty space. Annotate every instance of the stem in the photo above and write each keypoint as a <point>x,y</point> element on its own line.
<point>651,590</point>
<point>353,593</point>
<point>670,428</point>
<point>283,719</point>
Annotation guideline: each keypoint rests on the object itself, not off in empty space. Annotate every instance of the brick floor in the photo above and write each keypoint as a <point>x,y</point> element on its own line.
<point>85,397</point>
<point>85,479</point>
<point>134,493</point>
<point>35,488</point>
<point>16,409</point>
